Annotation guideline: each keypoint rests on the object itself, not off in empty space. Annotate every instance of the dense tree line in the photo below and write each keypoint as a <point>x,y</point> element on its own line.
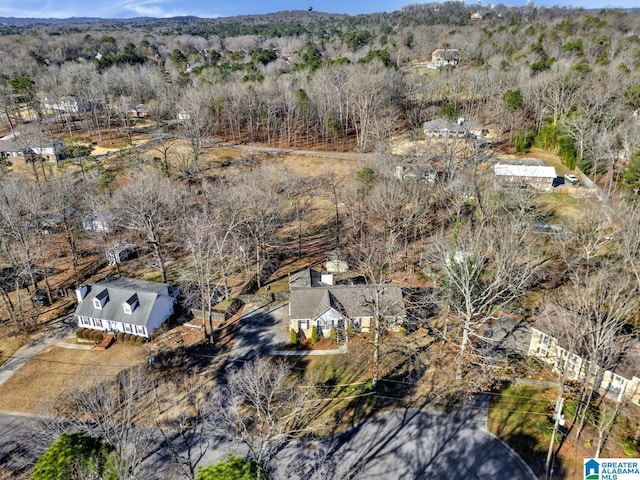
<point>334,78</point>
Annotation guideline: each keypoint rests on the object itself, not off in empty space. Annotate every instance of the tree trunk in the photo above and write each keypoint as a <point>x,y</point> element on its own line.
<point>376,352</point>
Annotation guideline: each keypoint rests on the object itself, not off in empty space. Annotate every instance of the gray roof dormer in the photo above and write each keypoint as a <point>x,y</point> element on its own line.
<point>131,304</point>
<point>101,299</point>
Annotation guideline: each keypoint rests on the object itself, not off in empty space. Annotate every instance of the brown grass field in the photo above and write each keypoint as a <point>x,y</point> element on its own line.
<point>49,376</point>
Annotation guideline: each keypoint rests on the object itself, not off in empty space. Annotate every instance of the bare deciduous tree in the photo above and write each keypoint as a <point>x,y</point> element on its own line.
<point>118,411</point>
<point>605,309</point>
<point>149,205</point>
<point>262,407</point>
<point>483,267</point>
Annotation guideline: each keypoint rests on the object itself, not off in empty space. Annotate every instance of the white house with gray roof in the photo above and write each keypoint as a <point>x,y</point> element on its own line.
<point>448,128</point>
<point>124,305</point>
<point>314,301</point>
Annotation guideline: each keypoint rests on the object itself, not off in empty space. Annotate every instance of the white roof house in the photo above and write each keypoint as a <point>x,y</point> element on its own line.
<point>534,177</point>
<point>124,305</point>
<point>527,171</point>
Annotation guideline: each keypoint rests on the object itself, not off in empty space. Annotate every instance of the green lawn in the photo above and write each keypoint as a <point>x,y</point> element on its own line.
<point>520,415</point>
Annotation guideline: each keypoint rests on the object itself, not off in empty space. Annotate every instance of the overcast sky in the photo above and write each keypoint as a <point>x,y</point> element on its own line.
<point>225,8</point>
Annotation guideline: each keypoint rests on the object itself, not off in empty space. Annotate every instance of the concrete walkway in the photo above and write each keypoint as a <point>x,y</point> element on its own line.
<point>337,351</point>
<point>53,335</point>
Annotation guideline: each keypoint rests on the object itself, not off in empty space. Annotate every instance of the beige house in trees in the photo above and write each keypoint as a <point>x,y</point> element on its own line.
<point>621,382</point>
<point>315,301</point>
<point>444,57</point>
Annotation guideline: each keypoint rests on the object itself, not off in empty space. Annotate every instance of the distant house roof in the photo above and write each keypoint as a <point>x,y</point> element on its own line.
<point>438,124</point>
<point>454,52</point>
<point>461,126</point>
<point>306,278</point>
<point>15,147</point>
<point>10,146</point>
<point>315,298</point>
<point>529,171</point>
<point>118,291</point>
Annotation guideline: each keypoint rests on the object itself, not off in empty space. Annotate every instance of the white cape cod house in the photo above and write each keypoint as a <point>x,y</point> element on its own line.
<point>124,305</point>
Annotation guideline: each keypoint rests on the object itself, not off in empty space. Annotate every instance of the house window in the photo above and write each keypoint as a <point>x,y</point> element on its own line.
<point>140,330</point>
<point>127,308</point>
<point>617,384</point>
<point>544,340</point>
<point>97,322</point>
<point>303,325</point>
<point>127,328</point>
<point>542,351</point>
<point>573,360</point>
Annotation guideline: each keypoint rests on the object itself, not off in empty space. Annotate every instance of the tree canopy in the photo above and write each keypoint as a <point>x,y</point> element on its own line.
<point>75,456</point>
<point>233,467</point>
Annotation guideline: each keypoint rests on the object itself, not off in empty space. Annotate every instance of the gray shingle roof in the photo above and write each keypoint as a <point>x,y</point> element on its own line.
<point>119,291</point>
<point>305,278</point>
<point>351,300</point>
<point>10,146</point>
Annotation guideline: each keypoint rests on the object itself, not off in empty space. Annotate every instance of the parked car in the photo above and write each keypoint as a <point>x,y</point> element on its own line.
<point>572,179</point>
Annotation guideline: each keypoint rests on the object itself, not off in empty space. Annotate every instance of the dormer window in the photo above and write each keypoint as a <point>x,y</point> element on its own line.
<point>131,304</point>
<point>101,299</point>
<point>82,291</point>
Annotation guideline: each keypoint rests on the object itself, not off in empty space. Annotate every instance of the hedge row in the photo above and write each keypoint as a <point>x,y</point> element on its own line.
<point>96,336</point>
<point>129,338</point>
<point>89,334</point>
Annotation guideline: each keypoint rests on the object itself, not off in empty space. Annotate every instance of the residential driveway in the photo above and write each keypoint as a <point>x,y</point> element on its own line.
<point>263,328</point>
<point>52,335</point>
<point>412,445</point>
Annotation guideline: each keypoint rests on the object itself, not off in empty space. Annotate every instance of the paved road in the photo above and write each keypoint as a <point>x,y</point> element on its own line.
<point>52,335</point>
<point>411,445</point>
<point>17,451</point>
<point>401,444</point>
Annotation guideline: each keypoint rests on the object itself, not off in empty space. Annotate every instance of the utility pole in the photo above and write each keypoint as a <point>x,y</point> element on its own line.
<point>548,471</point>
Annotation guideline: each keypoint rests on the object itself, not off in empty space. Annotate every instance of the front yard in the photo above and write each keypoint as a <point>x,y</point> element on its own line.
<point>520,414</point>
<point>47,377</point>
